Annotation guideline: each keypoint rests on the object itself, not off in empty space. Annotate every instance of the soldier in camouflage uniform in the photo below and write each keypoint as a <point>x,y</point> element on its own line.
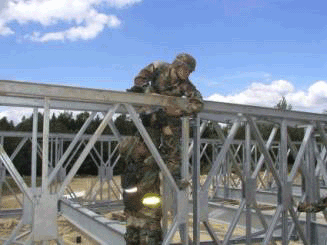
<point>164,127</point>
<point>172,80</point>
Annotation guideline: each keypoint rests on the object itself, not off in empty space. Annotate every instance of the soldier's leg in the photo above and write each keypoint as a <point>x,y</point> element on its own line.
<point>171,149</point>
<point>132,235</point>
<point>151,232</point>
<point>154,230</point>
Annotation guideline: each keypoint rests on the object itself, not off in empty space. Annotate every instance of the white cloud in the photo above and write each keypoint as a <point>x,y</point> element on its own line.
<point>3,4</point>
<point>83,16</point>
<point>15,114</point>
<point>314,99</point>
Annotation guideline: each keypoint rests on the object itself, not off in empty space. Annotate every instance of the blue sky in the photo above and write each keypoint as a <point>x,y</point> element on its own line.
<point>248,51</point>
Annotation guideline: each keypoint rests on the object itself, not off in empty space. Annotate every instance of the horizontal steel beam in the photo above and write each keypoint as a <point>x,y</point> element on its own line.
<point>67,96</point>
<point>226,213</point>
<point>62,136</point>
<point>261,112</point>
<point>102,230</point>
<point>265,197</point>
<point>77,94</point>
<point>6,213</point>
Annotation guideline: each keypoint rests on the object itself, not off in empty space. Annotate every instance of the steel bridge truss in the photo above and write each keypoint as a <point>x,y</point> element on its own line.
<point>252,172</point>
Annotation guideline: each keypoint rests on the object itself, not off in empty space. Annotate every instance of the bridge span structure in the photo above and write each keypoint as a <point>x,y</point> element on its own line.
<point>246,183</point>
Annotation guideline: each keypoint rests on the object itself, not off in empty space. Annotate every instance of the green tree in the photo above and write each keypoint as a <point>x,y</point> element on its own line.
<point>283,105</point>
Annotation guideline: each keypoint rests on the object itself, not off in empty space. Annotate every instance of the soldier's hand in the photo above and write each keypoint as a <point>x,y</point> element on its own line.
<point>195,106</point>
<point>173,110</point>
<point>136,89</point>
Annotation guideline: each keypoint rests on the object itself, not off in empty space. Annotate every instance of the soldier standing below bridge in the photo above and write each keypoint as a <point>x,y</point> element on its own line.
<point>164,127</point>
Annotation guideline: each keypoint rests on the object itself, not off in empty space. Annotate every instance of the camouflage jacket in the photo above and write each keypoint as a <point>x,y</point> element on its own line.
<point>158,75</point>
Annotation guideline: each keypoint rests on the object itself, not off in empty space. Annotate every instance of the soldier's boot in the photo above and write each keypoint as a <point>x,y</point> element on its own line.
<point>150,237</point>
<point>322,204</point>
<point>155,237</point>
<point>311,207</point>
<point>132,235</point>
<point>143,237</point>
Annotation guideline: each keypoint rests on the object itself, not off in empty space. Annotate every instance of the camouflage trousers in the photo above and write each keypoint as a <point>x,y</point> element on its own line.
<point>144,227</point>
<point>170,148</point>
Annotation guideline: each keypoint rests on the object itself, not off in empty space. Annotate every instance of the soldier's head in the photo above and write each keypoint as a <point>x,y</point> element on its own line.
<point>184,64</point>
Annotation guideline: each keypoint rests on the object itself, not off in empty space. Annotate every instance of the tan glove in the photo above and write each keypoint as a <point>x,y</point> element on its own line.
<point>173,110</point>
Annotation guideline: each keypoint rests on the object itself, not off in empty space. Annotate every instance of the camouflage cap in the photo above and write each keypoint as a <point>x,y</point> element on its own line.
<point>187,59</point>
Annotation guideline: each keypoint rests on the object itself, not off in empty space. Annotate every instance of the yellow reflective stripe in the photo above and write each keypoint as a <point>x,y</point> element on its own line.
<point>151,200</point>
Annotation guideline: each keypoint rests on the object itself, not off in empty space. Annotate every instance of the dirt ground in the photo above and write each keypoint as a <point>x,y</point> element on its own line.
<point>70,234</point>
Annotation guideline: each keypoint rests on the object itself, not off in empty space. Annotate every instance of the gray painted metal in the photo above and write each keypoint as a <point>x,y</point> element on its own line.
<point>102,230</point>
<point>235,164</point>
<point>45,218</point>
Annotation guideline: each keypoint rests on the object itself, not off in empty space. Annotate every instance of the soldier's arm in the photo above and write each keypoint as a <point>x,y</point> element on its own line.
<point>146,75</point>
<point>195,98</point>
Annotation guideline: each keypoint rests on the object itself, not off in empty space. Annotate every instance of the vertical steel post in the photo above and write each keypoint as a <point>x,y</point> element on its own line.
<point>185,172</point>
<point>45,147</point>
<point>34,149</point>
<point>308,191</point>
<point>2,171</point>
<point>284,173</point>
<point>196,181</point>
<point>313,189</point>
<point>247,175</point>
<point>110,166</point>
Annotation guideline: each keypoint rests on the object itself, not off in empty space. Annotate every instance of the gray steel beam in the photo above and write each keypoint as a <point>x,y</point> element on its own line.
<point>264,197</point>
<point>71,147</point>
<point>262,112</point>
<point>221,155</point>
<point>87,149</point>
<point>45,146</point>
<point>34,149</point>
<point>14,173</point>
<point>102,230</point>
<point>196,181</point>
<point>225,213</point>
<point>63,136</point>
<point>66,93</point>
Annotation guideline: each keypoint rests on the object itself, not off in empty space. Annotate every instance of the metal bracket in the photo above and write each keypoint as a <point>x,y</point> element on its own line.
<point>204,213</point>
<point>2,173</point>
<point>105,172</point>
<point>182,206</point>
<point>45,218</point>
<point>285,195</point>
<point>62,174</point>
<point>249,187</point>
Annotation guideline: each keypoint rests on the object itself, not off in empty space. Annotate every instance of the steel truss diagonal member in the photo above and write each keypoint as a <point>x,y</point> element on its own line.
<point>87,149</point>
<point>200,194</point>
<point>264,150</point>
<point>14,173</point>
<point>70,148</point>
